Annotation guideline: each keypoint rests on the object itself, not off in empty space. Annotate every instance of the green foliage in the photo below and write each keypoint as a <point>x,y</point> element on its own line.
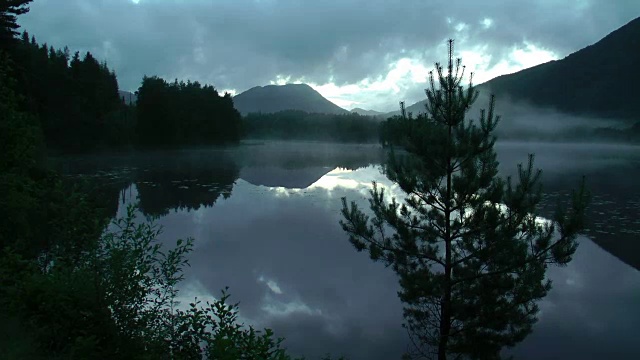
<point>9,11</point>
<point>179,113</point>
<point>36,209</point>
<point>393,131</point>
<point>76,98</point>
<point>77,103</point>
<point>20,137</point>
<point>71,290</point>
<point>470,252</point>
<point>70,287</point>
<point>300,125</point>
<point>118,300</point>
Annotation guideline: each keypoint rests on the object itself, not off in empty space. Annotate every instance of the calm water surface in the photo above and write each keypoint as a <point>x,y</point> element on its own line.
<point>264,217</point>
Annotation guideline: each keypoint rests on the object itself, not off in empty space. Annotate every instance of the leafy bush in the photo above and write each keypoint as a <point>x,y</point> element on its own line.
<point>118,300</point>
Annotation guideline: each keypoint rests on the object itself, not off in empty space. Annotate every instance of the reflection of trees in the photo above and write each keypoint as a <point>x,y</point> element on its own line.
<point>614,212</point>
<point>105,188</point>
<point>109,194</point>
<point>164,180</point>
<point>186,180</point>
<point>185,183</point>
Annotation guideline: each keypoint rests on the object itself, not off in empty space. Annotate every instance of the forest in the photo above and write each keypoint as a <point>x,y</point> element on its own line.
<point>73,283</point>
<point>300,125</point>
<point>75,97</point>
<point>179,113</point>
<point>467,246</point>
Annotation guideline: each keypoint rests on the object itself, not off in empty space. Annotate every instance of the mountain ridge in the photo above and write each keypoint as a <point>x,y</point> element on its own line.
<point>274,98</point>
<point>128,97</point>
<point>364,112</point>
<point>587,82</point>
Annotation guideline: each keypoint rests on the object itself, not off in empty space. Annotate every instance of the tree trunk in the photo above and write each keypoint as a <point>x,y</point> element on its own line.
<point>445,315</point>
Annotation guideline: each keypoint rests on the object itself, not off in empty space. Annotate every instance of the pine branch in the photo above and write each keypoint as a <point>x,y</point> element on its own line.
<point>540,255</point>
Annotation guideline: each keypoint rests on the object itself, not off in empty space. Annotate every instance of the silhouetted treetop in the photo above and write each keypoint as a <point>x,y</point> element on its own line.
<point>179,113</point>
<point>9,11</point>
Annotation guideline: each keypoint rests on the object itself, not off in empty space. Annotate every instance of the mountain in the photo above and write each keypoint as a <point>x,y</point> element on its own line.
<point>416,109</point>
<point>598,81</point>
<point>367,112</point>
<point>274,98</point>
<point>128,97</point>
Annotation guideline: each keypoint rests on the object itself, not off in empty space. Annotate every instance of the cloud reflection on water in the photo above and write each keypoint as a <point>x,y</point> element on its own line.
<point>348,304</point>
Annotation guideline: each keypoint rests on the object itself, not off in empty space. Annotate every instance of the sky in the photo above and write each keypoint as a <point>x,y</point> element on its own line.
<point>357,53</point>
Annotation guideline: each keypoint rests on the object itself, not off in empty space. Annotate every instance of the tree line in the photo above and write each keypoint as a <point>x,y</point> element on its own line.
<point>75,285</point>
<point>468,247</point>
<point>300,125</point>
<point>179,113</point>
<point>76,99</point>
<point>72,287</point>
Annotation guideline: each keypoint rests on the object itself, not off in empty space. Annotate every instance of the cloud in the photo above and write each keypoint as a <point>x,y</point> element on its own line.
<point>379,48</point>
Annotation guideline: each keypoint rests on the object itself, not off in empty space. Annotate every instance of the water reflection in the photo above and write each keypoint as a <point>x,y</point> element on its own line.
<point>185,183</point>
<point>265,219</point>
<point>591,313</point>
<point>286,259</point>
<point>301,277</point>
<point>189,179</point>
<point>611,172</point>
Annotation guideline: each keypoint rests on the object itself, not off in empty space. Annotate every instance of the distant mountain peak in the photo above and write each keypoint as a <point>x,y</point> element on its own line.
<point>365,112</point>
<point>128,97</point>
<point>274,98</point>
<point>586,82</point>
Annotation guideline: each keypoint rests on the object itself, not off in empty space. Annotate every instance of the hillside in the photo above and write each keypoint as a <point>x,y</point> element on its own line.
<point>367,112</point>
<point>128,97</point>
<point>597,81</point>
<point>274,98</point>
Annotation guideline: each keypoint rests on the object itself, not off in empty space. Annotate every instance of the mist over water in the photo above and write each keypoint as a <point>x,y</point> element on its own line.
<point>264,216</point>
<point>526,122</point>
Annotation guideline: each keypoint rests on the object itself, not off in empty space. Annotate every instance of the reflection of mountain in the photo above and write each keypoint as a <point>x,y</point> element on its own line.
<point>299,164</point>
<point>189,179</point>
<point>614,213</point>
<point>185,183</point>
<point>274,176</point>
<point>611,172</point>
<point>193,178</point>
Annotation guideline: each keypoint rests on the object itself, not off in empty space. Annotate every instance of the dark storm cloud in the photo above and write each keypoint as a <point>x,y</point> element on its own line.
<point>239,44</point>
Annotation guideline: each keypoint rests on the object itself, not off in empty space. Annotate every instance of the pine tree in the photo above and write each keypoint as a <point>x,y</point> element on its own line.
<point>9,11</point>
<point>469,250</point>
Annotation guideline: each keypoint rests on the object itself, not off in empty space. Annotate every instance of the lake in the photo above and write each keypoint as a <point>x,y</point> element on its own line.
<point>264,217</point>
